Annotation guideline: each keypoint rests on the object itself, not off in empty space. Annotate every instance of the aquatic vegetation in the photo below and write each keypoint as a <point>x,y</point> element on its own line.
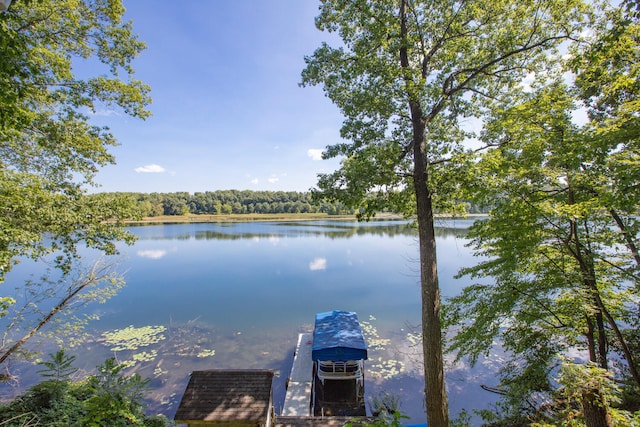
<point>414,339</point>
<point>386,368</point>
<point>382,365</point>
<point>171,399</point>
<point>145,356</point>
<point>378,343</point>
<point>127,363</point>
<point>370,332</point>
<point>158,371</point>
<point>206,353</point>
<point>131,338</point>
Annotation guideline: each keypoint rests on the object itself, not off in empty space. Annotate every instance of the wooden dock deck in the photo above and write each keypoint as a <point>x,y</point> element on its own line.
<point>297,401</point>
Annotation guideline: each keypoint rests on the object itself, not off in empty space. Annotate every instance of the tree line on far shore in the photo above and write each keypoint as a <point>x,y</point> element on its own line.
<point>223,202</point>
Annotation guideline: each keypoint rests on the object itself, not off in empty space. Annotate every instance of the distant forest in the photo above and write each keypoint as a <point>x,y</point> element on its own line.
<point>238,202</point>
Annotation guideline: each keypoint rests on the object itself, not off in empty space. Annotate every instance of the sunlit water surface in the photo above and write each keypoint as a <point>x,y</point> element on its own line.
<point>236,295</point>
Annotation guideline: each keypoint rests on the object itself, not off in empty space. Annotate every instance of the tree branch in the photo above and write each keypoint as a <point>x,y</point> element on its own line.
<point>448,87</point>
<point>96,274</point>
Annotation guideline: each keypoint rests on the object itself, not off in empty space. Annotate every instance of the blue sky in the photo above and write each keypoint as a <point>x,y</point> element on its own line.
<point>228,112</point>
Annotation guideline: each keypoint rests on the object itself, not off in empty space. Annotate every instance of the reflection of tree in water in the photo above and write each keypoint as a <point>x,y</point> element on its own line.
<point>450,232</point>
<point>329,229</point>
<point>312,230</point>
<point>390,357</point>
<point>404,229</point>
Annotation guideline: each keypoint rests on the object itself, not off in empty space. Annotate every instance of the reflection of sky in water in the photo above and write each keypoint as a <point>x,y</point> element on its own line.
<point>251,287</point>
<point>318,264</point>
<point>152,253</point>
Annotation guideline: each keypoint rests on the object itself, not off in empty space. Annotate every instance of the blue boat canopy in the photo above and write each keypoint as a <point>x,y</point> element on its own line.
<point>337,336</point>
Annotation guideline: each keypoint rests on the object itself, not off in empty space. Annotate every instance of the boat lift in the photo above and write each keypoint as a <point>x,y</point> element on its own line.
<point>338,355</point>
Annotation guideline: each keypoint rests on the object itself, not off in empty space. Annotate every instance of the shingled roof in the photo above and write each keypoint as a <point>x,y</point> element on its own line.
<point>226,396</point>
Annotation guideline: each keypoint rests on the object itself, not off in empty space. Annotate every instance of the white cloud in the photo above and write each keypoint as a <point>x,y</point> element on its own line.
<point>528,81</point>
<point>318,264</point>
<point>255,181</point>
<point>273,179</point>
<point>106,113</point>
<point>315,153</point>
<point>152,168</point>
<point>152,253</point>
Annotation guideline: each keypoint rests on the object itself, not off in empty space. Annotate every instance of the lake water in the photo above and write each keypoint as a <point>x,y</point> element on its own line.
<point>236,295</point>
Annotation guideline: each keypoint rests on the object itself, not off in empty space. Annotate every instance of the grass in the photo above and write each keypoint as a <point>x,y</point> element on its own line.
<point>182,219</point>
<point>193,218</point>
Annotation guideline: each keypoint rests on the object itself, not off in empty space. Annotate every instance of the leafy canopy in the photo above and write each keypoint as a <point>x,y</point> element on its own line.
<point>560,259</point>
<point>460,56</point>
<point>61,62</point>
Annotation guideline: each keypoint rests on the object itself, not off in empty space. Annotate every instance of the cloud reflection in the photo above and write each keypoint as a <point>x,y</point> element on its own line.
<point>152,253</point>
<point>318,264</point>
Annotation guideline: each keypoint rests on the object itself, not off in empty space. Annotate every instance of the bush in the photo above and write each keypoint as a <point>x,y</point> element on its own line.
<point>108,398</point>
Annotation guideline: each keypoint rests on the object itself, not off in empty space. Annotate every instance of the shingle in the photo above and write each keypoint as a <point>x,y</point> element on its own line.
<point>226,395</point>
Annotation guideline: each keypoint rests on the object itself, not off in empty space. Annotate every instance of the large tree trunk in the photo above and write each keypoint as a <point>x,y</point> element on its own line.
<point>435,391</point>
<point>594,410</point>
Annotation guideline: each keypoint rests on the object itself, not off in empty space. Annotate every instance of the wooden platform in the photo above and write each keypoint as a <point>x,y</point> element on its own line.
<point>297,401</point>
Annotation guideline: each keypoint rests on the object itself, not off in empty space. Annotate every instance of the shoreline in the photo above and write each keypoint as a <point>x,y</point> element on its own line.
<point>226,218</point>
<point>209,218</point>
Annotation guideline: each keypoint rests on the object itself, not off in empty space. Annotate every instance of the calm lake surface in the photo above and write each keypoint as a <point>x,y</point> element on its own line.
<point>236,295</point>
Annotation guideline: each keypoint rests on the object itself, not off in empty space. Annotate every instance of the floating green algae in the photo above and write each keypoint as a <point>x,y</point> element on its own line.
<point>187,341</point>
<point>387,369</point>
<point>132,338</point>
<point>206,353</point>
<point>370,332</point>
<point>382,365</point>
<point>145,356</point>
<point>158,371</point>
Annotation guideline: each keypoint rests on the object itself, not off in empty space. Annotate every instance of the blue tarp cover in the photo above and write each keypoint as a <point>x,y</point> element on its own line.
<point>337,336</point>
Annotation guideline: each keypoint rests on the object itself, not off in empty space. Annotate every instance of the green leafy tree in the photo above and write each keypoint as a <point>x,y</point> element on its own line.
<point>406,75</point>
<point>561,241</point>
<point>578,382</point>
<point>556,283</point>
<point>607,81</point>
<point>49,149</point>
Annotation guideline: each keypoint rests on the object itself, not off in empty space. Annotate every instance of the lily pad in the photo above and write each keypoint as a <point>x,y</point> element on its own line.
<point>132,338</point>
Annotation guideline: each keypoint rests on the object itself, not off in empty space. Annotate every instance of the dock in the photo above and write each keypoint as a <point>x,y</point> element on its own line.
<point>297,401</point>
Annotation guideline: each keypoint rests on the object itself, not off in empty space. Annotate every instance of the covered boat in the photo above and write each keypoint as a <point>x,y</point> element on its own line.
<point>338,355</point>
<point>337,336</point>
